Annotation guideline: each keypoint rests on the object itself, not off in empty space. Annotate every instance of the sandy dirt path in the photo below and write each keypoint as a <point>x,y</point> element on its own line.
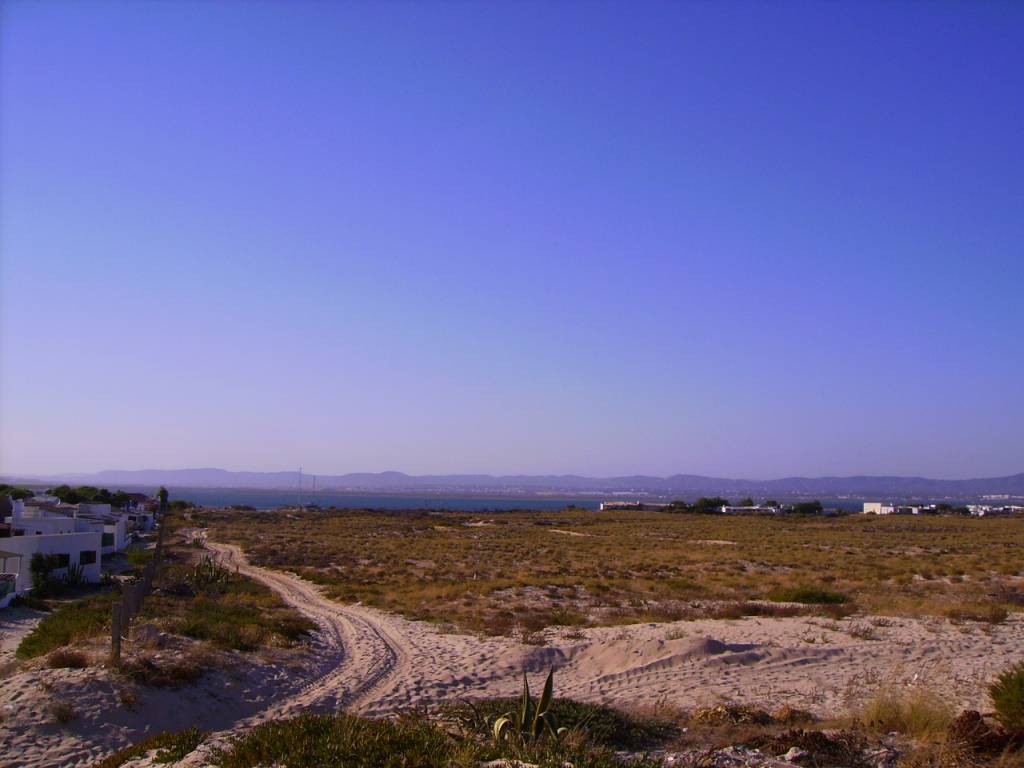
<point>366,656</point>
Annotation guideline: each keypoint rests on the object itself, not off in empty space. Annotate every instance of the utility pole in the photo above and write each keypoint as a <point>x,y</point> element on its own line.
<point>300,487</point>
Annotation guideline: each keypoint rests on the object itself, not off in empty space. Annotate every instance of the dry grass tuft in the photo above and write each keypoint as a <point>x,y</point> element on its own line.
<point>67,658</point>
<point>61,711</point>
<point>989,613</point>
<point>915,712</point>
<point>168,670</point>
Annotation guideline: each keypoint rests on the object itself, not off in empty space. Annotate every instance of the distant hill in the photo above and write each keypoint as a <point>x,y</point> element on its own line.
<point>860,486</point>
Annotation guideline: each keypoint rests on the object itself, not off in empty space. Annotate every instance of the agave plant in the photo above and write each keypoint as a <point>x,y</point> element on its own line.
<point>533,720</point>
<point>207,573</point>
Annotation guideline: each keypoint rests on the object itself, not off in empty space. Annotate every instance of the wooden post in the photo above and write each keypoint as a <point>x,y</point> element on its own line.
<point>126,611</point>
<point>115,634</point>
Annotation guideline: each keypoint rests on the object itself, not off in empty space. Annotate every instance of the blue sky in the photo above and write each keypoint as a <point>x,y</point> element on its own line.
<point>741,239</point>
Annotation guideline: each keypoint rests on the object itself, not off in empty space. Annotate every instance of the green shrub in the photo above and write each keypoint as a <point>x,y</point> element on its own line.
<point>809,595</point>
<point>348,741</point>
<point>1007,694</point>
<point>138,558</point>
<point>319,741</point>
<point>171,748</point>
<point>598,724</point>
<point>240,624</point>
<point>71,622</point>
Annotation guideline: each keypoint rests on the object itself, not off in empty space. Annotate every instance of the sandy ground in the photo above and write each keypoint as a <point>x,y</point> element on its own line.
<point>373,663</point>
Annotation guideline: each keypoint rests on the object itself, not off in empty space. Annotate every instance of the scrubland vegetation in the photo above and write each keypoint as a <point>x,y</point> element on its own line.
<point>198,598</point>
<point>513,572</point>
<point>169,748</point>
<point>69,623</point>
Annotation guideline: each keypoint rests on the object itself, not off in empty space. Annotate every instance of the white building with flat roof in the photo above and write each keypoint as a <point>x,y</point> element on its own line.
<point>72,549</point>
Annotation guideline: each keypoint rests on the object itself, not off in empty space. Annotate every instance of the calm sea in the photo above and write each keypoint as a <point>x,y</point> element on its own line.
<point>225,497</point>
<point>262,499</point>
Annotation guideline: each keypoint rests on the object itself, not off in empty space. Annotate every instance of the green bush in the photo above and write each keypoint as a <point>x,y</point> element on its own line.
<point>600,725</point>
<point>240,621</point>
<point>1007,694</point>
<point>320,741</point>
<point>138,558</point>
<point>809,595</point>
<point>67,624</point>
<point>347,741</point>
<point>171,748</point>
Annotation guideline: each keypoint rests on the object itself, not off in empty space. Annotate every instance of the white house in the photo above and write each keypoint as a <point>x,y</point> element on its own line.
<point>113,528</point>
<point>35,521</point>
<point>880,508</point>
<point>755,510</point>
<point>73,549</point>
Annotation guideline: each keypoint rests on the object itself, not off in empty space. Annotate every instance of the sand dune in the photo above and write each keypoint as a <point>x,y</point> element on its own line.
<point>374,663</point>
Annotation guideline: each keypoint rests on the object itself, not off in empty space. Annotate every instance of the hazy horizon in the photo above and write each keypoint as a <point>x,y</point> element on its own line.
<point>738,240</point>
<point>341,473</point>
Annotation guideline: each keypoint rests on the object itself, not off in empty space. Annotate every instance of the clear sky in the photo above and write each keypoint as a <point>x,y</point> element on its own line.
<point>742,239</point>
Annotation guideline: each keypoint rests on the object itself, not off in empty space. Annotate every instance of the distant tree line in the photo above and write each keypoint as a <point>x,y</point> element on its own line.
<point>88,493</point>
<point>16,491</point>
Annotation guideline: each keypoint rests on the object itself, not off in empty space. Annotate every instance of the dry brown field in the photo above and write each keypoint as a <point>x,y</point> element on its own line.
<point>518,572</point>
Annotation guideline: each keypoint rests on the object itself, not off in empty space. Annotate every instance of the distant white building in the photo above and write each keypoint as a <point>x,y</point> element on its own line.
<point>988,510</point>
<point>755,510</point>
<point>634,505</point>
<point>887,508</point>
<point>879,508</point>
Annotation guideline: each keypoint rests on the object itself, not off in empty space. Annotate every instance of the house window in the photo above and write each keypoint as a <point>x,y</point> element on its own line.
<point>87,557</point>
<point>63,560</point>
<point>108,539</point>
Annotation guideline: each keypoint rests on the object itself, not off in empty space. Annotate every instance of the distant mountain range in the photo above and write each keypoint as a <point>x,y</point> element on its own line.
<point>684,486</point>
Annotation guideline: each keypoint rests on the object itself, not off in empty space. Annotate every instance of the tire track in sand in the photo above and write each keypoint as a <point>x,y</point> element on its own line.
<point>366,655</point>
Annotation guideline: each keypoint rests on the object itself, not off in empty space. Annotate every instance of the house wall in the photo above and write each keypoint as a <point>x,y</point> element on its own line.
<point>93,508</point>
<point>71,544</point>
<point>44,524</point>
<point>118,528</point>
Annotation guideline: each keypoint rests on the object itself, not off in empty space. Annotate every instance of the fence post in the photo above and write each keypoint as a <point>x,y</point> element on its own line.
<point>126,611</point>
<point>115,634</point>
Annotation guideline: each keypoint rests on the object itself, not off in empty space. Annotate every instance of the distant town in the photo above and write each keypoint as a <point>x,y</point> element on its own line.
<point>772,507</point>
